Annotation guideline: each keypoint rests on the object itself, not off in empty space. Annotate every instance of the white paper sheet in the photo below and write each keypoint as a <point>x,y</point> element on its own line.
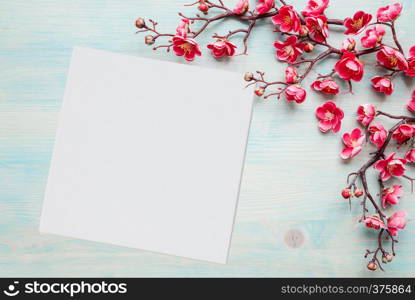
<point>149,155</point>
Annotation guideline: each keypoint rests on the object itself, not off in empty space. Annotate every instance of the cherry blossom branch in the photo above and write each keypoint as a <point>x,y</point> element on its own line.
<point>299,34</point>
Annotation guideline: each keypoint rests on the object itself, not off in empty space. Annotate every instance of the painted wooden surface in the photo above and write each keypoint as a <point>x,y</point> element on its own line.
<point>290,220</point>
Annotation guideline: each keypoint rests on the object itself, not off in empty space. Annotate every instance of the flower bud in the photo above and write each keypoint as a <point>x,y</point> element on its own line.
<point>203,7</point>
<point>358,193</point>
<point>248,76</point>
<point>387,257</point>
<point>259,91</point>
<point>346,193</point>
<point>372,266</point>
<point>149,40</point>
<point>303,31</point>
<point>349,44</point>
<point>308,47</point>
<point>140,23</point>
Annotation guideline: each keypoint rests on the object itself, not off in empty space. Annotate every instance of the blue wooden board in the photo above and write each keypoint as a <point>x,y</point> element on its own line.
<point>290,220</point>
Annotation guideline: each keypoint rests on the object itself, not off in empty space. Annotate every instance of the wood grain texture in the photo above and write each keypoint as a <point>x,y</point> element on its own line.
<point>290,220</point>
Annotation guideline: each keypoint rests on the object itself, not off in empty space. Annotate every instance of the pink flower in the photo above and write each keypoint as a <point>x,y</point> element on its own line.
<point>373,36</point>
<point>327,86</point>
<point>382,84</point>
<point>349,67</point>
<point>374,222</point>
<point>411,103</point>
<point>329,116</point>
<point>410,72</point>
<point>354,143</point>
<point>295,93</point>
<point>403,133</point>
<point>358,23</point>
<point>287,19</point>
<point>315,8</point>
<point>410,155</point>
<point>222,47</point>
<point>365,114</point>
<point>318,28</point>
<point>288,50</point>
<point>391,58</point>
<point>397,222</point>
<point>390,166</point>
<point>241,7</point>
<point>349,44</point>
<point>378,134</point>
<point>186,47</point>
<point>265,6</point>
<point>291,75</point>
<point>183,27</point>
<point>389,13</point>
<point>391,195</point>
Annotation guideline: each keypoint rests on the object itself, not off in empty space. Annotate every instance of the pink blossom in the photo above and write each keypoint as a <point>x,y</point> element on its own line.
<point>373,36</point>
<point>391,195</point>
<point>318,28</point>
<point>382,84</point>
<point>374,222</point>
<point>378,134</point>
<point>389,13</point>
<point>411,103</point>
<point>327,86</point>
<point>410,155</point>
<point>291,75</point>
<point>365,114</point>
<point>186,47</point>
<point>287,19</point>
<point>349,44</point>
<point>349,67</point>
<point>397,222</point>
<point>391,58</point>
<point>353,142</point>
<point>390,166</point>
<point>265,6</point>
<point>403,133</point>
<point>183,27</point>
<point>358,23</point>
<point>410,72</point>
<point>241,7</point>
<point>288,50</point>
<point>222,47</point>
<point>315,8</point>
<point>329,116</point>
<point>295,93</point>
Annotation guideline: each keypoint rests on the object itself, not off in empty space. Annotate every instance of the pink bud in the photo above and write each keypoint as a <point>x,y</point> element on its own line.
<point>358,193</point>
<point>149,40</point>
<point>248,76</point>
<point>203,7</point>
<point>303,31</point>
<point>308,47</point>
<point>139,23</point>
<point>346,193</point>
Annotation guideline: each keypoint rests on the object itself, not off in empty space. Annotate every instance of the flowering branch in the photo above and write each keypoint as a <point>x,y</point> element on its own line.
<point>298,34</point>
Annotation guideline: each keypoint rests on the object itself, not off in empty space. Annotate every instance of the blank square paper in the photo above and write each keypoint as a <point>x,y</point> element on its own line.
<point>148,155</point>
